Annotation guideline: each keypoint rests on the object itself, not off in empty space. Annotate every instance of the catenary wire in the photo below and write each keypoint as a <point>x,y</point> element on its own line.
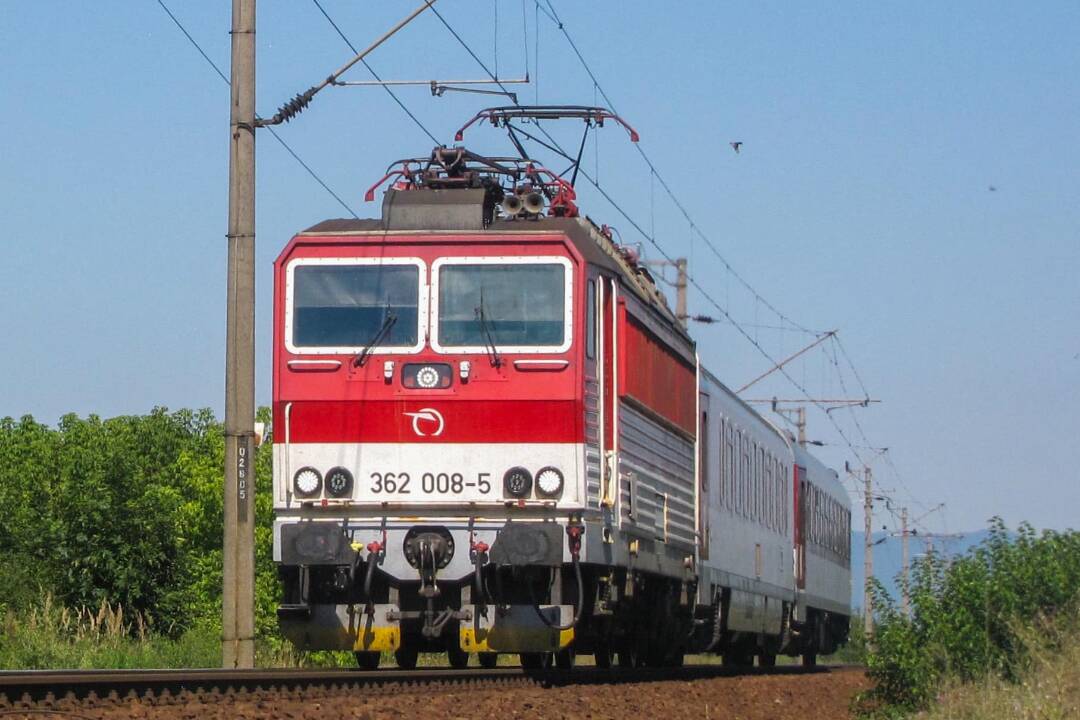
<point>610,200</point>
<point>838,345</point>
<point>652,240</point>
<point>554,17</point>
<point>277,137</point>
<point>375,75</point>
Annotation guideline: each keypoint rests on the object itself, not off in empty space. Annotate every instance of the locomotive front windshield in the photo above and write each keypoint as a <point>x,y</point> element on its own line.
<point>517,305</point>
<point>352,305</point>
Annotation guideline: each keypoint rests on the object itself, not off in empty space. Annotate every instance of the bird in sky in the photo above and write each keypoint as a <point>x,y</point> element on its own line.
<point>736,145</point>
<point>993,188</point>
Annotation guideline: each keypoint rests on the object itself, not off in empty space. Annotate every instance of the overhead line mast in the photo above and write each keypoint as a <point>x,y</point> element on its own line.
<point>238,563</point>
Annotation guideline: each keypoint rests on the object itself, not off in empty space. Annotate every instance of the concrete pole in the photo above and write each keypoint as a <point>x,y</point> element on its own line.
<point>905,599</point>
<point>868,556</point>
<point>238,592</point>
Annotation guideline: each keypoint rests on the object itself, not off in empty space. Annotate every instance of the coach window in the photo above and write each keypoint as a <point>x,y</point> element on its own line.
<point>781,495</point>
<point>761,493</point>
<point>341,306</point>
<point>770,492</point>
<point>782,471</point>
<point>513,304</point>
<point>721,488</point>
<point>755,490</point>
<point>736,474</point>
<point>818,522</point>
<point>754,504</point>
<point>746,491</point>
<point>834,527</point>
<point>778,490</point>
<point>729,454</point>
<point>740,475</point>
<point>827,524</point>
<point>847,534</point>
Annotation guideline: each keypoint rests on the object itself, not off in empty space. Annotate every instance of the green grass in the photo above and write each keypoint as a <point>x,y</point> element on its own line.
<point>48,636</point>
<point>52,637</point>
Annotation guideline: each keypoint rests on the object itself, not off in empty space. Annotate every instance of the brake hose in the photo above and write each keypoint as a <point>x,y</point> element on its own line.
<point>479,552</point>
<point>374,550</point>
<point>580,602</point>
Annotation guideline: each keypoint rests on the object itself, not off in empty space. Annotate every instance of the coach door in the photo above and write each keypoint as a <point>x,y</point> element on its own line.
<point>801,507</point>
<point>703,475</point>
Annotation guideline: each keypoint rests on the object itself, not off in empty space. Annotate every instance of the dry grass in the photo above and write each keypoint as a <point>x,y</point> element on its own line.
<point>1048,687</point>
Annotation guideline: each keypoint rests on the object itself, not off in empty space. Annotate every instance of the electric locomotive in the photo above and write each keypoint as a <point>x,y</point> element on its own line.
<point>492,435</point>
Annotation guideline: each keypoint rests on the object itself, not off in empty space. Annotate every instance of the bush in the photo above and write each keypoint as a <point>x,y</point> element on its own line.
<point>965,616</point>
<point>124,512</point>
<point>1047,685</point>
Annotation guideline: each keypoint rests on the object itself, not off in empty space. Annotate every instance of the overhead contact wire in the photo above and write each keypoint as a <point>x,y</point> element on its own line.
<point>375,75</point>
<point>554,17</point>
<point>277,137</point>
<point>690,279</point>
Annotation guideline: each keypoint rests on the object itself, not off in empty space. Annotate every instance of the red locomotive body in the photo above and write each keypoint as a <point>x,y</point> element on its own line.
<point>491,435</point>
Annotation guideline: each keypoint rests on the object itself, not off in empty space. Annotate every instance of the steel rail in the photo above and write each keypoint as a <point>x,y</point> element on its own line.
<point>34,685</point>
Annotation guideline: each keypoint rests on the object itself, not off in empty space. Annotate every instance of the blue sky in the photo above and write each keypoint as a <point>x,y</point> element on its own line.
<point>860,201</point>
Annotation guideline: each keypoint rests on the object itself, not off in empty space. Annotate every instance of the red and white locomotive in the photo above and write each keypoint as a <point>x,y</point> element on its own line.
<point>492,435</point>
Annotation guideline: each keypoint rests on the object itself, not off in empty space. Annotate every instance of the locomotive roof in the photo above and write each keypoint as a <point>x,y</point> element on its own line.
<point>457,211</point>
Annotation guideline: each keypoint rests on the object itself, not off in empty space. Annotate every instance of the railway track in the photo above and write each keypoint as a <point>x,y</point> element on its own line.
<point>69,691</point>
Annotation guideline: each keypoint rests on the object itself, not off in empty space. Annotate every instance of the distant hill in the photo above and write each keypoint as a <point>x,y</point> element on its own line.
<point>888,558</point>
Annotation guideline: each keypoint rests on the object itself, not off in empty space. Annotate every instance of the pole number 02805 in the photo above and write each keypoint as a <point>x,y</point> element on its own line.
<point>402,483</point>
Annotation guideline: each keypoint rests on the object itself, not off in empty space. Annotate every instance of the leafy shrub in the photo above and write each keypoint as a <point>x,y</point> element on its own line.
<point>966,613</point>
<point>125,511</point>
<point>1047,684</point>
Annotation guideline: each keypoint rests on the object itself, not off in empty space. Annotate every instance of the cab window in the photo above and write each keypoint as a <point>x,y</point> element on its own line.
<point>506,305</point>
<point>348,306</point>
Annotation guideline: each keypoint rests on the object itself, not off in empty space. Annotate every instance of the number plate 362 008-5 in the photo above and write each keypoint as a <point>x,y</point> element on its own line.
<point>429,486</point>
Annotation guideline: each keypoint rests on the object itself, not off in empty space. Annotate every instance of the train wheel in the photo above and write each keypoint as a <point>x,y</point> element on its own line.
<point>564,659</point>
<point>367,660</point>
<point>628,658</point>
<point>766,660</point>
<point>603,657</point>
<point>488,660</point>
<point>536,660</point>
<point>406,658</point>
<point>809,660</point>
<point>458,658</point>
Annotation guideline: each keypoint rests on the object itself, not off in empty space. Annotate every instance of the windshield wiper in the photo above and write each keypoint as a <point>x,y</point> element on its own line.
<point>485,327</point>
<point>388,322</point>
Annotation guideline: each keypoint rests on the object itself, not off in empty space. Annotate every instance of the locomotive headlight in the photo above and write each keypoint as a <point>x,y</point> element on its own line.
<point>427,377</point>
<point>339,483</point>
<point>517,482</point>
<point>549,482</point>
<point>307,481</point>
